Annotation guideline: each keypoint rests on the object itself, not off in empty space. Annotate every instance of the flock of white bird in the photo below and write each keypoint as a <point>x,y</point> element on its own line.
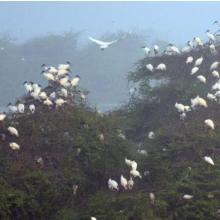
<point>65,86</point>
<point>60,76</point>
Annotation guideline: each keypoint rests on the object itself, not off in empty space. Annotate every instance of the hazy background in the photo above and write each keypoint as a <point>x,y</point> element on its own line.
<point>33,33</point>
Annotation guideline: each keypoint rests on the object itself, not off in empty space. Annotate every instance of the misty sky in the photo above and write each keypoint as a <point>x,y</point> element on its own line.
<point>173,21</point>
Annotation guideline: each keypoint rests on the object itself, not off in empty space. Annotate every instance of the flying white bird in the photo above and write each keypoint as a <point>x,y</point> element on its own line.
<point>103,44</point>
<point>124,182</point>
<point>187,197</point>
<point>189,60</point>
<point>13,131</point>
<point>209,123</point>
<point>150,67</point>
<point>112,184</point>
<point>161,67</point>
<point>201,78</point>
<point>14,146</point>
<point>194,70</point>
<point>199,61</point>
<point>2,116</point>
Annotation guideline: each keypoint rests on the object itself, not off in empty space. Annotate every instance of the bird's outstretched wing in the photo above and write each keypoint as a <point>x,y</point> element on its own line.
<point>96,41</point>
<point>102,42</point>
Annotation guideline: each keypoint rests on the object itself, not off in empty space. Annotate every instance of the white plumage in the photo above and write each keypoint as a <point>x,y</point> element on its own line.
<point>60,102</point>
<point>187,197</point>
<point>198,101</point>
<point>214,65</point>
<point>13,131</point>
<point>135,173</point>
<point>211,97</point>
<point>201,78</point>
<point>14,146</point>
<point>32,108</point>
<point>93,218</point>
<point>21,108</point>
<point>194,70</point>
<point>189,60</point>
<point>112,184</point>
<point>150,67</point>
<point>151,135</point>
<point>156,49</point>
<point>209,123</point>
<point>152,198</point>
<point>75,81</point>
<point>102,44</point>
<point>130,183</point>
<point>161,67</point>
<point>215,73</point>
<point>2,116</point>
<point>209,160</point>
<point>199,61</point>
<point>124,182</point>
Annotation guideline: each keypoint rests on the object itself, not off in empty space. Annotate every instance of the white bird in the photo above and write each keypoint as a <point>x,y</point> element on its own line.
<point>64,81</point>
<point>52,70</point>
<point>134,165</point>
<point>209,123</point>
<point>216,86</point>
<point>101,137</point>
<point>210,36</point>
<point>43,95</point>
<point>59,102</point>
<point>211,97</point>
<point>48,102</point>
<point>128,162</point>
<point>199,61</point>
<point>151,135</point>
<point>103,44</point>
<point>93,218</point>
<point>156,49</point>
<point>198,101</point>
<point>189,60</point>
<point>75,81</point>
<point>130,183</point>
<point>2,116</point>
<point>150,67</point>
<point>142,152</point>
<point>198,41</point>
<point>63,92</point>
<point>14,146</point>
<point>135,173</point>
<point>12,108</point>
<point>112,184</point>
<point>28,86</point>
<point>186,49</point>
<point>147,50</point>
<point>180,107</point>
<point>65,66</point>
<point>152,198</point>
<point>62,72</point>
<point>173,49</point>
<point>194,70</point>
<point>182,116</point>
<point>201,78</point>
<point>13,131</point>
<point>187,197</point>
<point>124,182</point>
<point>215,73</point>
<point>161,67</point>
<point>48,76</point>
<point>21,108</point>
<point>209,160</point>
<point>32,108</point>
<point>214,65</point>
<point>212,49</point>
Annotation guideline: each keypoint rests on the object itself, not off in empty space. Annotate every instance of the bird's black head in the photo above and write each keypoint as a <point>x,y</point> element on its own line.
<point>207,30</point>
<point>215,22</point>
<point>25,82</point>
<point>43,65</point>
<point>9,104</point>
<point>77,76</point>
